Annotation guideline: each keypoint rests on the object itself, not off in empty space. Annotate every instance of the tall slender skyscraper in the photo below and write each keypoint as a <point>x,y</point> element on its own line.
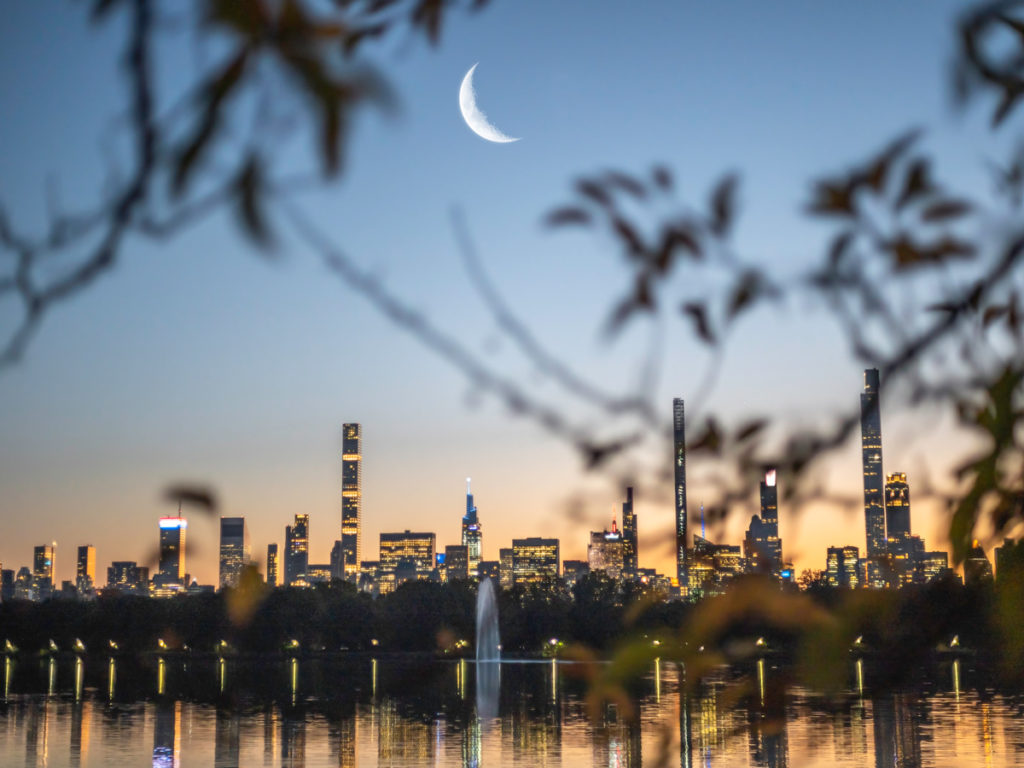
<point>296,551</point>
<point>871,450</point>
<point>472,533</point>
<point>85,572</point>
<point>273,566</point>
<point>629,548</point>
<point>172,551</point>
<point>234,550</point>
<point>679,436</point>
<point>351,498</point>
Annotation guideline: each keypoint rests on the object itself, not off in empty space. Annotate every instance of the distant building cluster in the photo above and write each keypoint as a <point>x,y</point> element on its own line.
<point>894,557</point>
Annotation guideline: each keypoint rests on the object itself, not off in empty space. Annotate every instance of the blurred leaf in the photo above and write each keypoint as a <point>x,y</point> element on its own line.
<point>916,184</point>
<point>698,315</point>
<point>250,191</point>
<point>750,429</point>
<point>568,215</point>
<point>428,15</point>
<point>709,439</point>
<point>832,198</point>
<point>627,184</point>
<point>750,287</point>
<point>100,8</point>
<point>663,178</point>
<point>946,209</point>
<point>908,254</point>
<point>595,192</point>
<point>197,496</point>
<point>354,38</point>
<point>628,236</point>
<point>723,205</point>
<point>1011,97</point>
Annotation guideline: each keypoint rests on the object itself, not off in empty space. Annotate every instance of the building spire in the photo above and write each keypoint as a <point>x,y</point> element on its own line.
<point>469,491</point>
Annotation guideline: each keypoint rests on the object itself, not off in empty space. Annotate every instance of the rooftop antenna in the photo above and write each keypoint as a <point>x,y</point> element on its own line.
<point>703,535</point>
<point>468,491</point>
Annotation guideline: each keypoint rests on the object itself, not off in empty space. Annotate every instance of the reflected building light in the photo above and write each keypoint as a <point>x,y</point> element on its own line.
<point>79,678</point>
<point>860,677</point>
<point>221,673</point>
<point>294,679</point>
<point>373,677</point>
<point>111,679</point>
<point>956,679</point>
<point>760,679</point>
<point>7,677</point>
<point>51,687</point>
<point>554,681</point>
<point>657,679</point>
<point>161,676</point>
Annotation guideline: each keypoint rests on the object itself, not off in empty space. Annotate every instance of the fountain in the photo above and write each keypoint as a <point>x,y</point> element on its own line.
<point>488,653</point>
<point>488,642</point>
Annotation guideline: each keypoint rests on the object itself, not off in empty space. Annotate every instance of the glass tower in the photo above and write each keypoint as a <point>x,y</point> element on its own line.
<point>234,550</point>
<point>351,498</point>
<point>629,549</point>
<point>85,572</point>
<point>296,556</point>
<point>471,532</point>
<point>273,566</point>
<point>871,450</point>
<point>679,437</point>
<point>172,550</point>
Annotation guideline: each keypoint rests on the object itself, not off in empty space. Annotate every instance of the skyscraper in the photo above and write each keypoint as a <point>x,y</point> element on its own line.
<point>629,547</point>
<point>605,552</point>
<point>679,437</point>
<point>534,560</point>
<point>762,546</point>
<point>44,565</point>
<point>85,572</point>
<point>172,552</point>
<point>296,555</point>
<point>871,450</point>
<point>842,567</point>
<point>273,566</point>
<point>351,499</point>
<point>234,550</point>
<point>456,562</point>
<point>471,532</point>
<point>897,505</point>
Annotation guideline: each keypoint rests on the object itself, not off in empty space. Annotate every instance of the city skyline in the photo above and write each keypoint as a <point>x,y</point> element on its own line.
<point>886,509</point>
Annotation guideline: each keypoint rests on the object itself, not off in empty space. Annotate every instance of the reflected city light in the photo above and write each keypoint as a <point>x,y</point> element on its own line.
<point>111,678</point>
<point>956,679</point>
<point>7,676</point>
<point>860,677</point>
<point>221,673</point>
<point>161,676</point>
<point>294,665</point>
<point>657,679</point>
<point>51,688</point>
<point>79,677</point>
<point>373,677</point>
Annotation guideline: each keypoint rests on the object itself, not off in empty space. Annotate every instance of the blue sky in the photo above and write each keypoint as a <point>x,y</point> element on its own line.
<point>199,359</point>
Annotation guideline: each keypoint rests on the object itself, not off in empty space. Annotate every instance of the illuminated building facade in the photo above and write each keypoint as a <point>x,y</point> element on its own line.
<point>403,557</point>
<point>534,560</point>
<point>234,550</point>
<point>679,471</point>
<point>456,562</point>
<point>842,567</point>
<point>171,572</point>
<point>933,565</point>
<point>725,561</point>
<point>902,547</point>
<point>507,571</point>
<point>630,564</point>
<point>44,564</point>
<point>351,499</point>
<point>273,566</point>
<point>472,533</point>
<point>871,455</point>
<point>85,569</point>
<point>127,576</point>
<point>605,552</point>
<point>296,551</point>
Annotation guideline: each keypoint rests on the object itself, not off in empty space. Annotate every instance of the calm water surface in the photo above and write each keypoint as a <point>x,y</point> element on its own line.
<point>400,712</point>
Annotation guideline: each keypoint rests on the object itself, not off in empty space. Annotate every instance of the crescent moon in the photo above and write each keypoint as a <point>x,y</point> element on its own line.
<point>474,117</point>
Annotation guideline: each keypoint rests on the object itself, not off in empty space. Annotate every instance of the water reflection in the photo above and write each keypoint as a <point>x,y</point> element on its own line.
<point>400,712</point>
